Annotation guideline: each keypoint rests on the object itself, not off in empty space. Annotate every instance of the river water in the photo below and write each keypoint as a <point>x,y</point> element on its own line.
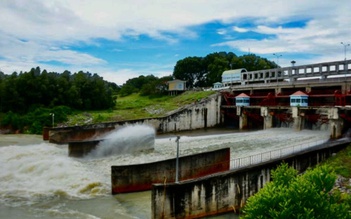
<point>39,180</point>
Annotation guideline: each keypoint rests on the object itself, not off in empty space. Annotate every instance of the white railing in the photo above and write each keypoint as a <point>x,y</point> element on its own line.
<point>272,155</point>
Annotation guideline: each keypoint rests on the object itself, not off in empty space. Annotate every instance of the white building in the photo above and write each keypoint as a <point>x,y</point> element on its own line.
<point>230,77</point>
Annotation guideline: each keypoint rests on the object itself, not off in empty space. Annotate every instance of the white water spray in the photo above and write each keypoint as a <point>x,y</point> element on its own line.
<point>127,140</point>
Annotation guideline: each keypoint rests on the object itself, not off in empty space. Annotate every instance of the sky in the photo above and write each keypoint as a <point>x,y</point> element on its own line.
<point>120,39</point>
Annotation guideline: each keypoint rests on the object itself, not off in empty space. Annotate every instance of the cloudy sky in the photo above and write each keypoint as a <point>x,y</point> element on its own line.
<point>122,39</point>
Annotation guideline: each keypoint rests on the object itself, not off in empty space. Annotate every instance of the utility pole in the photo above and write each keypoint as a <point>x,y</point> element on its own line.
<point>177,160</point>
<point>53,119</point>
<point>345,45</point>
<point>277,55</point>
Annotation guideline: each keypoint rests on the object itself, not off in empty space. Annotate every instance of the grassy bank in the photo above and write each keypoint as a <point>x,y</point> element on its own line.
<point>341,163</point>
<point>136,107</point>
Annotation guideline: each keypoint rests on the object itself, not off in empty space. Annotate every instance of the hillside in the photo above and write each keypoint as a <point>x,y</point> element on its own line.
<point>136,106</point>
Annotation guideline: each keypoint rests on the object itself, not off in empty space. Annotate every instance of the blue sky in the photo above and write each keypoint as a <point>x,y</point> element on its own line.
<point>120,40</point>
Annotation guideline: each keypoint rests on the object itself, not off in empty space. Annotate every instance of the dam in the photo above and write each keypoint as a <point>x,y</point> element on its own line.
<point>270,106</point>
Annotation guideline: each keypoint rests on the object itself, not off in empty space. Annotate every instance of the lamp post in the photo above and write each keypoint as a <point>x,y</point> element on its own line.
<point>177,160</point>
<point>345,45</point>
<point>53,119</point>
<point>277,55</point>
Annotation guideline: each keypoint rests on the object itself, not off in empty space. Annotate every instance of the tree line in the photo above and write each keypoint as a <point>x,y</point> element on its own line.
<point>205,71</point>
<point>20,92</point>
<point>197,72</point>
<point>27,98</point>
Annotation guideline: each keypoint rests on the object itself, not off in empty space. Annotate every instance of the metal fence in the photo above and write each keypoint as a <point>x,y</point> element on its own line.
<point>273,155</point>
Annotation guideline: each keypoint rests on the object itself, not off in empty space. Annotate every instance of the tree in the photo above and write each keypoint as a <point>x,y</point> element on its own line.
<point>84,91</point>
<point>155,87</point>
<point>191,70</point>
<point>298,196</point>
<point>203,72</point>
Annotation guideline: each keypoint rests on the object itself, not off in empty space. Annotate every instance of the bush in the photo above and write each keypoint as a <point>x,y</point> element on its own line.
<point>298,196</point>
<point>36,119</point>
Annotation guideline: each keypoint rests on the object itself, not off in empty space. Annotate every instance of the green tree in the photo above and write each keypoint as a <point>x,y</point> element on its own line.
<point>144,84</point>
<point>216,64</point>
<point>202,72</point>
<point>290,195</point>
<point>192,70</point>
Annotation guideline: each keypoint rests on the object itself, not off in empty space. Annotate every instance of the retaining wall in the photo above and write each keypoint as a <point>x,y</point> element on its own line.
<point>81,148</point>
<point>228,191</point>
<point>200,114</point>
<point>139,177</point>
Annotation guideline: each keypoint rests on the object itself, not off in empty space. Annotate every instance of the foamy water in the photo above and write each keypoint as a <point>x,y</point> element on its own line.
<point>127,140</point>
<point>34,172</point>
<point>41,179</point>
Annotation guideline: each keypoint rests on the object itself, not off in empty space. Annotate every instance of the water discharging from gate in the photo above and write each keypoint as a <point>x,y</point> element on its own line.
<point>129,139</point>
<point>39,180</point>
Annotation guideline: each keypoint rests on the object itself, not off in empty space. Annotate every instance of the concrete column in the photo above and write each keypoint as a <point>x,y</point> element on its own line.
<point>242,118</point>
<point>278,90</point>
<point>298,120</point>
<point>308,89</point>
<point>344,88</point>
<point>267,118</point>
<point>336,124</point>
<point>242,121</point>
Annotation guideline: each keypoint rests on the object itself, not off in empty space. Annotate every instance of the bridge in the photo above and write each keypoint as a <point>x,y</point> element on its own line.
<point>323,71</point>
<point>327,85</point>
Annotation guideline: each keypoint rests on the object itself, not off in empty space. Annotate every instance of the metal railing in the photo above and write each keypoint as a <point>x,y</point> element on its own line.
<point>273,155</point>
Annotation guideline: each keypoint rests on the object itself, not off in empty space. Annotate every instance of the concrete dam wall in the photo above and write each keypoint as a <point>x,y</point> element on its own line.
<point>139,177</point>
<point>201,114</point>
<point>227,191</point>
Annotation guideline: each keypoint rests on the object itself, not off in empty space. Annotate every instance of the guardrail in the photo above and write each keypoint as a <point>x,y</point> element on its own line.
<point>272,155</point>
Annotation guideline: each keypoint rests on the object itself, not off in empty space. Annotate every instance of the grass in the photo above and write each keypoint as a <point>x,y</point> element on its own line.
<point>137,107</point>
<point>341,163</point>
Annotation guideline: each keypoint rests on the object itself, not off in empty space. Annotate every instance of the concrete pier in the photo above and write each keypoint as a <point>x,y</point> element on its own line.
<point>81,148</point>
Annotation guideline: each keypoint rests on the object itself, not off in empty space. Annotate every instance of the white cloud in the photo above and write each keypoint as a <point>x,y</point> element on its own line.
<point>321,36</point>
<point>240,30</point>
<point>38,31</point>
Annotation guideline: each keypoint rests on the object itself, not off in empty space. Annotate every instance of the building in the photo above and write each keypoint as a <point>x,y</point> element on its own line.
<point>217,85</point>
<point>176,86</point>
<point>242,100</point>
<point>299,98</point>
<point>231,77</point>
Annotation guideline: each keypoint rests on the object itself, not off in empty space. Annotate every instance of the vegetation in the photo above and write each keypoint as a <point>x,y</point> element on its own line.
<point>136,106</point>
<point>309,195</point>
<point>28,98</point>
<point>83,91</point>
<point>341,163</point>
<point>205,71</point>
<point>146,86</point>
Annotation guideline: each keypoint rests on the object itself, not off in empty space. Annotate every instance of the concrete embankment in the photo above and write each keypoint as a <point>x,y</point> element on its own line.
<point>139,177</point>
<point>228,191</point>
<point>202,114</point>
